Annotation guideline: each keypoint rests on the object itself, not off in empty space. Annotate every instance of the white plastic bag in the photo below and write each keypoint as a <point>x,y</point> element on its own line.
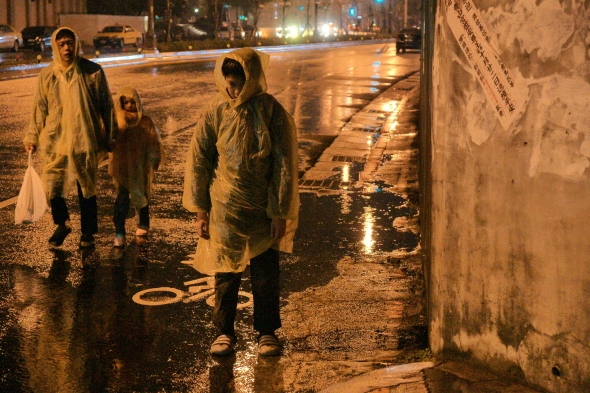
<point>32,201</point>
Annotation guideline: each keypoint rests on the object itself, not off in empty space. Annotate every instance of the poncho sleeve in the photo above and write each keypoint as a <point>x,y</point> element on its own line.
<point>39,113</point>
<point>201,161</point>
<point>283,194</point>
<point>154,149</point>
<point>107,112</point>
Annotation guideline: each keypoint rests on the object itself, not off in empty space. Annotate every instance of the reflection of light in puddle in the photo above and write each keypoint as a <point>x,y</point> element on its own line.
<point>377,63</point>
<point>373,89</point>
<point>368,222</point>
<point>374,83</point>
<point>346,201</point>
<point>393,126</point>
<point>346,173</point>
<point>243,368</point>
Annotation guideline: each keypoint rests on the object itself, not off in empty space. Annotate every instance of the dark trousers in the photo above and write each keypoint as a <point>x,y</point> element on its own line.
<point>88,212</point>
<point>122,208</point>
<point>264,276</point>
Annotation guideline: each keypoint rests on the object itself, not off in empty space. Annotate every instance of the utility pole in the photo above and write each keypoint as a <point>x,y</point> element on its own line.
<point>315,18</point>
<point>405,13</point>
<point>230,31</point>
<point>169,20</point>
<point>151,40</point>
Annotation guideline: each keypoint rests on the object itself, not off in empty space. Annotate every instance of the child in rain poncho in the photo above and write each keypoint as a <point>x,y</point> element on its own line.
<point>137,154</point>
<point>241,180</point>
<point>72,123</point>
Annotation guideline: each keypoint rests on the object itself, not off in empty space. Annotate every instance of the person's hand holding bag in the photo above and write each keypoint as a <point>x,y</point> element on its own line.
<point>32,200</point>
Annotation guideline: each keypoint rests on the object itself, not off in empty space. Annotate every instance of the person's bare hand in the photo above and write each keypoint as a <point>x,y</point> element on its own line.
<point>203,225</point>
<point>30,148</point>
<point>278,227</point>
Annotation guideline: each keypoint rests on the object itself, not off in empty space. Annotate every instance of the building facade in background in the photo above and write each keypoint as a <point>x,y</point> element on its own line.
<point>22,13</point>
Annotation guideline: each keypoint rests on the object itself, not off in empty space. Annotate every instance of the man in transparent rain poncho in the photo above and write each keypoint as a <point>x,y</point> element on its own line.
<point>241,180</point>
<point>72,124</point>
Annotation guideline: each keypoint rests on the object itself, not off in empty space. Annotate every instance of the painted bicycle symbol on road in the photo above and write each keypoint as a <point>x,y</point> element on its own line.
<point>201,288</point>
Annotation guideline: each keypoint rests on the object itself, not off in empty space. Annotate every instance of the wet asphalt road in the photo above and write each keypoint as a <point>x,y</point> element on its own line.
<point>68,320</point>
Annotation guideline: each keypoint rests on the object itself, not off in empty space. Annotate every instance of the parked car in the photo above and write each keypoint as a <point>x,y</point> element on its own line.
<point>118,35</point>
<point>10,38</point>
<point>237,32</point>
<point>38,37</point>
<point>410,38</point>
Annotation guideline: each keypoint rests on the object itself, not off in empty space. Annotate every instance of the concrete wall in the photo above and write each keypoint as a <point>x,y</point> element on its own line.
<point>510,244</point>
<point>86,26</point>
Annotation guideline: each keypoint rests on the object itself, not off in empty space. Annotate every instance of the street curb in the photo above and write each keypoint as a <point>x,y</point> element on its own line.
<point>150,55</point>
<point>395,376</point>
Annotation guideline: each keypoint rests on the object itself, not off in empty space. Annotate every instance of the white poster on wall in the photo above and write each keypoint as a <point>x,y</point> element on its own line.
<point>493,75</point>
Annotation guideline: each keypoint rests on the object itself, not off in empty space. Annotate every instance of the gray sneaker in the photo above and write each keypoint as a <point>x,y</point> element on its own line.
<point>223,345</point>
<point>268,345</point>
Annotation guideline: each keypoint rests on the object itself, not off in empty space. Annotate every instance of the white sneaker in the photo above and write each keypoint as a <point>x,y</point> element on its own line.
<point>119,241</point>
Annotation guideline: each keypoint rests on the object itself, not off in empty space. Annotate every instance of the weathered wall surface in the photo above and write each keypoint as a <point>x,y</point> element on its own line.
<point>510,282</point>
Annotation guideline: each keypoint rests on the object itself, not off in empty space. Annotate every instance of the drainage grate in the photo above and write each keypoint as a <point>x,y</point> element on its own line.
<point>326,184</point>
<point>375,111</point>
<point>364,129</point>
<point>348,159</point>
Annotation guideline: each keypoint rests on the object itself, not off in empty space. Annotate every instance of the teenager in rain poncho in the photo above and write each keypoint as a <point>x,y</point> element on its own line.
<point>72,125</point>
<point>241,180</point>
<point>137,154</point>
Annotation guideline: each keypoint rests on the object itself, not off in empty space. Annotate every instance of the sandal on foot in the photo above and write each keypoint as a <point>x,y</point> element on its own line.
<point>268,345</point>
<point>223,345</point>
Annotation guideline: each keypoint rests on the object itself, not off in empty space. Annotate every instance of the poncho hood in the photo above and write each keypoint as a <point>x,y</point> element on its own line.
<point>254,64</point>
<point>122,121</point>
<point>54,47</point>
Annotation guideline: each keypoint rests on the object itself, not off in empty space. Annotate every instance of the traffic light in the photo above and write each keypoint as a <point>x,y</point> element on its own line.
<point>351,11</point>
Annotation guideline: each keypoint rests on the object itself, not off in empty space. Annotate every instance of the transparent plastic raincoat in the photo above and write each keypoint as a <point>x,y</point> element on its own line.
<point>242,168</point>
<point>72,122</point>
<point>138,150</point>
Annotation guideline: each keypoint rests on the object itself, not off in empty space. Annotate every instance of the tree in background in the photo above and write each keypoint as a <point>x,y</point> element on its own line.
<point>137,7</point>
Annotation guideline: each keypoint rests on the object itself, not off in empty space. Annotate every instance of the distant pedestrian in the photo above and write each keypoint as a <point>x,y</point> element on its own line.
<point>72,124</point>
<point>241,179</point>
<point>137,154</point>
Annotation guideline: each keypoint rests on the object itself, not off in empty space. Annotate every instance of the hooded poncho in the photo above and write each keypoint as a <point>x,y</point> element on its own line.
<point>72,121</point>
<point>242,168</point>
<point>138,151</point>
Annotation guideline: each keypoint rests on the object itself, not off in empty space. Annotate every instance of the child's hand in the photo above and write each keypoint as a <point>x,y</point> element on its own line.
<point>277,228</point>
<point>203,225</point>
